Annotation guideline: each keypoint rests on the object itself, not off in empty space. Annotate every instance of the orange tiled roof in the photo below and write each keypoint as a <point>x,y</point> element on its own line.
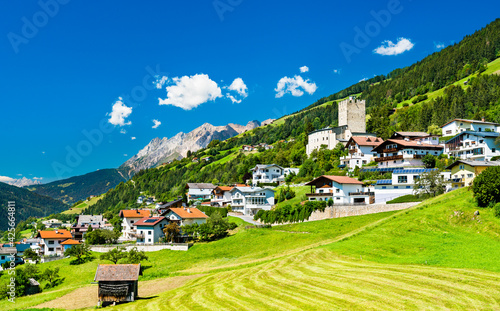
<point>56,234</point>
<point>183,212</point>
<point>132,213</point>
<point>338,179</point>
<point>225,188</point>
<point>70,242</point>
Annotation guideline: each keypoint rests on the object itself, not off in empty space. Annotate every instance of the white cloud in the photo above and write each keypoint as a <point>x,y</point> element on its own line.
<point>439,45</point>
<point>295,86</point>
<point>304,69</point>
<point>119,113</point>
<point>160,82</point>
<point>157,123</point>
<point>337,71</point>
<point>190,92</point>
<point>6,179</point>
<point>125,155</point>
<point>123,131</point>
<point>389,48</point>
<point>364,79</point>
<point>239,87</point>
<point>133,138</point>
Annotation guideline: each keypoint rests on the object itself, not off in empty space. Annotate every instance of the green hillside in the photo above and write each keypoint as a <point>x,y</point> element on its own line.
<point>27,204</point>
<point>78,188</point>
<point>434,255</point>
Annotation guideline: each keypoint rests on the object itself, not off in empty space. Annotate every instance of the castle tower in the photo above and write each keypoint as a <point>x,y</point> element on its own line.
<point>352,114</point>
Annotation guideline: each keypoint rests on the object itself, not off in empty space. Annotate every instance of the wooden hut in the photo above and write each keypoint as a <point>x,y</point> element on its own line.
<point>117,283</point>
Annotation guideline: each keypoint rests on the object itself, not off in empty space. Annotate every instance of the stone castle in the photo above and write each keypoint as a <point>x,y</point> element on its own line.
<point>352,113</point>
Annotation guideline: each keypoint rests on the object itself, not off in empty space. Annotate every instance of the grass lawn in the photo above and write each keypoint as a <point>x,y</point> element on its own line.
<point>299,193</point>
<point>432,256</point>
<point>26,233</point>
<point>80,207</point>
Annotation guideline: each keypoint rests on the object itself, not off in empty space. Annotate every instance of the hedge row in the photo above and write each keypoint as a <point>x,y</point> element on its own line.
<point>290,213</point>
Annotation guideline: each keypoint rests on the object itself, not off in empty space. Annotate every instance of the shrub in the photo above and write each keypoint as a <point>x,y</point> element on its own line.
<point>209,210</point>
<point>496,210</point>
<point>289,213</point>
<point>486,186</point>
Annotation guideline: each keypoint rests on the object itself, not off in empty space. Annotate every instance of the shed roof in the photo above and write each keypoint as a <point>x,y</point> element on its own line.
<point>128,272</point>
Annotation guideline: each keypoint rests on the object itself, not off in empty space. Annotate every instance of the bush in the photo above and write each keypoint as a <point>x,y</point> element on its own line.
<point>496,210</point>
<point>486,186</point>
<point>289,213</point>
<point>209,210</point>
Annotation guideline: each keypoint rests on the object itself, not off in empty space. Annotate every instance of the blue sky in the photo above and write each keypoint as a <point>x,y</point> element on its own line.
<point>66,64</point>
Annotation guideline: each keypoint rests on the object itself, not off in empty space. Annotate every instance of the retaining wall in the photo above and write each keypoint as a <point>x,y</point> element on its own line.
<point>356,210</point>
<point>145,248</point>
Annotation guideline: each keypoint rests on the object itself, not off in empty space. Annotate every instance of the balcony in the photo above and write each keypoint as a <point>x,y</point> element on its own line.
<point>352,151</point>
<point>418,156</point>
<point>362,193</point>
<point>390,158</point>
<point>326,194</point>
<point>389,150</point>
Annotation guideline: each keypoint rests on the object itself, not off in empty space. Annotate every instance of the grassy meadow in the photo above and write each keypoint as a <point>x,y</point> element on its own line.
<point>436,255</point>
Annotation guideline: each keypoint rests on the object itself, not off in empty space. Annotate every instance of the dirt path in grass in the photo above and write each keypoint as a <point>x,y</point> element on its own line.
<point>86,297</point>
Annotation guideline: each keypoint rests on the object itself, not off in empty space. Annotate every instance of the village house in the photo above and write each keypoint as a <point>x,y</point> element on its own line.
<point>117,283</point>
<point>221,196</point>
<point>246,148</point>
<point>207,159</point>
<point>6,253</point>
<point>69,243</point>
<point>51,241</point>
<point>341,189</point>
<point>79,231</point>
<point>457,126</point>
<point>463,172</point>
<point>94,220</point>
<point>266,173</point>
<point>163,207</point>
<point>129,218</point>
<point>468,145</point>
<point>249,200</point>
<point>360,151</point>
<point>140,199</point>
<point>403,153</point>
<point>290,170</point>
<point>185,215</point>
<point>150,229</point>
<point>199,191</point>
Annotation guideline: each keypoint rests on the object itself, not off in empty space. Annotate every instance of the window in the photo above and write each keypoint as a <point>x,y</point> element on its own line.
<point>461,166</point>
<point>51,249</point>
<point>416,177</point>
<point>131,221</point>
<point>408,187</point>
<point>51,242</point>
<point>3,257</point>
<point>384,187</point>
<point>470,175</point>
<point>493,150</point>
<point>337,198</point>
<point>396,187</point>
<point>149,240</point>
<point>402,179</point>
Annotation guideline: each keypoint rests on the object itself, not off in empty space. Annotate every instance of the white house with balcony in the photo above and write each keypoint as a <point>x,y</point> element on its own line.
<point>360,151</point>
<point>199,191</point>
<point>129,219</point>
<point>478,146</point>
<point>267,173</point>
<point>457,126</point>
<point>404,153</point>
<point>150,229</point>
<point>185,215</point>
<point>50,241</point>
<point>249,200</point>
<point>341,189</point>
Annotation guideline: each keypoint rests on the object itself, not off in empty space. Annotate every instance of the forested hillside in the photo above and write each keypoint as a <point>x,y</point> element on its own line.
<point>27,204</point>
<point>477,98</point>
<point>77,188</point>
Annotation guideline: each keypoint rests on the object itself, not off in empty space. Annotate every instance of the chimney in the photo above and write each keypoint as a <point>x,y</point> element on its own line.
<point>189,210</point>
<point>57,231</point>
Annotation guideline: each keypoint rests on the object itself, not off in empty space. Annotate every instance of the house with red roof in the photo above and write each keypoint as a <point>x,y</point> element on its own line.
<point>129,218</point>
<point>51,241</point>
<point>185,215</point>
<point>360,151</point>
<point>150,229</point>
<point>404,152</point>
<point>341,189</point>
<point>221,195</point>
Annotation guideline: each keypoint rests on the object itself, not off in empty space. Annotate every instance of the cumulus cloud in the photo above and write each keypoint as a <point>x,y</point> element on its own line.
<point>239,87</point>
<point>123,131</point>
<point>389,48</point>
<point>190,92</point>
<point>160,82</point>
<point>119,113</point>
<point>6,179</point>
<point>295,86</point>
<point>156,123</point>
<point>304,69</point>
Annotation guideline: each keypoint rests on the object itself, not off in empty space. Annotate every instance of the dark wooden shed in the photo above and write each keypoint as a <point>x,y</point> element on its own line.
<point>117,283</point>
